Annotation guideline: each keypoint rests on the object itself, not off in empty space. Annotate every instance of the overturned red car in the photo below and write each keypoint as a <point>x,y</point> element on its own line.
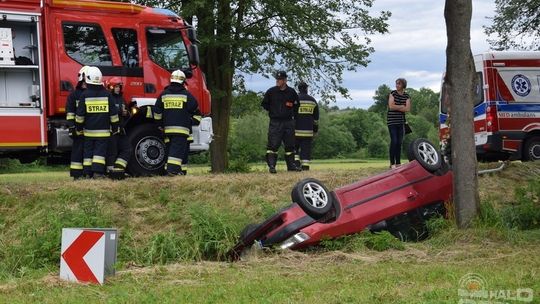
<point>399,200</point>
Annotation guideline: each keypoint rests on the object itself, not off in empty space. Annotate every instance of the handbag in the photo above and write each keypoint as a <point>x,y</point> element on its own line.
<point>408,129</point>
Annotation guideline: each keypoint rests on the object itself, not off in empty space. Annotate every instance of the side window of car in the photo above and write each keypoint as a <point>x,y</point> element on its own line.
<point>86,44</point>
<point>128,46</point>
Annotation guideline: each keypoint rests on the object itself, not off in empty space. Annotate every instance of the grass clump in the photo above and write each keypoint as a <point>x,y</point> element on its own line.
<point>39,235</point>
<point>378,241</point>
<point>212,233</point>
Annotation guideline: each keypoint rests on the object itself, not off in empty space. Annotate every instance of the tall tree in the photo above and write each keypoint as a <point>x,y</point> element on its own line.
<point>516,25</point>
<point>314,40</point>
<point>459,84</point>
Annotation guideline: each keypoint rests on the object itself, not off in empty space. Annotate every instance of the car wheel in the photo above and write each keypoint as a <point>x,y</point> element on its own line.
<point>313,197</point>
<point>531,150</point>
<point>248,230</point>
<point>148,156</point>
<point>426,154</point>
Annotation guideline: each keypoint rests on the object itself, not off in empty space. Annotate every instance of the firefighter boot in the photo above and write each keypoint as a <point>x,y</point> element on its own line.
<point>297,160</point>
<point>271,160</point>
<point>291,164</point>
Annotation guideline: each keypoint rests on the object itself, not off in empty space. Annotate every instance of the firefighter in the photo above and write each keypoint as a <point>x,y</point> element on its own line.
<point>76,165</point>
<point>281,103</point>
<point>96,116</point>
<point>307,125</point>
<point>119,150</point>
<point>174,111</point>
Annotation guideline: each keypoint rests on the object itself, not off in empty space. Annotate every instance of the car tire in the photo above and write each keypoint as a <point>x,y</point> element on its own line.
<point>531,149</point>
<point>426,154</point>
<point>313,197</point>
<point>148,156</point>
<point>248,230</point>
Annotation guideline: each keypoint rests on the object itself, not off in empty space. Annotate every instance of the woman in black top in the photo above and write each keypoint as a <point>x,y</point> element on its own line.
<point>399,103</point>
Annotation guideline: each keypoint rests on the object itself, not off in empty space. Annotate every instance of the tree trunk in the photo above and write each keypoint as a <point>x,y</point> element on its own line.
<point>460,81</point>
<point>216,63</point>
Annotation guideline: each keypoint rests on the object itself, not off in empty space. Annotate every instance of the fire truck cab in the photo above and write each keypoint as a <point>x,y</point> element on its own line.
<point>506,106</point>
<point>43,44</point>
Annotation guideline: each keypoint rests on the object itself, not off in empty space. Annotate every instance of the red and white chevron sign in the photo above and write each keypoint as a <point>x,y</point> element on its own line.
<point>83,256</point>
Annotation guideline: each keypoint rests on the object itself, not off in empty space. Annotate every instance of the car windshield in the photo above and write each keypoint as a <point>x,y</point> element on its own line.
<point>167,49</point>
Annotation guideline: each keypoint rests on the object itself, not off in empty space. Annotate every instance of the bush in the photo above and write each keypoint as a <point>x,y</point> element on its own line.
<point>248,137</point>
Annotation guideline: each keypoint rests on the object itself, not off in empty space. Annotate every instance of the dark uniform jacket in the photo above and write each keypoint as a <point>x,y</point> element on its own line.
<point>96,113</point>
<point>71,106</point>
<point>280,104</point>
<point>175,108</point>
<point>307,116</point>
<point>120,105</point>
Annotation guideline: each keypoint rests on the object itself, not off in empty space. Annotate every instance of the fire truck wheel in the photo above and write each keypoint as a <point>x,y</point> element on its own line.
<point>426,154</point>
<point>148,156</point>
<point>531,151</point>
<point>313,197</point>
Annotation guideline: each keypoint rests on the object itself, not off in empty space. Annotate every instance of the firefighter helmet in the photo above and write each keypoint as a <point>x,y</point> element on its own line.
<point>115,81</point>
<point>82,72</point>
<point>178,77</point>
<point>93,76</point>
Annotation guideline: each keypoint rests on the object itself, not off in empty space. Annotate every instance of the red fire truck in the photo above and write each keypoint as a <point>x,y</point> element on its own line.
<point>44,43</point>
<point>506,106</point>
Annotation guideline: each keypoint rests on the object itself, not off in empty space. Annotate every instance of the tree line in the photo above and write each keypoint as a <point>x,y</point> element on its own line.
<point>343,133</point>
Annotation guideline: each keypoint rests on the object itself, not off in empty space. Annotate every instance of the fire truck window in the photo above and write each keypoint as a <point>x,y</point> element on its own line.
<point>86,44</point>
<point>126,41</point>
<point>167,48</point>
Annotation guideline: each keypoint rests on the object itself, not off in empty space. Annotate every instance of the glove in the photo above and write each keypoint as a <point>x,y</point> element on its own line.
<point>315,128</point>
<point>73,132</point>
<point>115,130</point>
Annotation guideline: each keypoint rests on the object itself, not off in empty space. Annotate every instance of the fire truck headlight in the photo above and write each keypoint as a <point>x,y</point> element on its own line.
<point>296,239</point>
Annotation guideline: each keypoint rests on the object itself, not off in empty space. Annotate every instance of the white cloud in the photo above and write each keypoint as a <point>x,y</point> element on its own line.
<point>415,49</point>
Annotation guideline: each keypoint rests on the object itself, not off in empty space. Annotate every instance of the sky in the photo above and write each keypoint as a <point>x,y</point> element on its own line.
<point>414,48</point>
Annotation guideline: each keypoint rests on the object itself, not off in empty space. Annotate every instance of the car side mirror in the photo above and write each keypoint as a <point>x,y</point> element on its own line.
<point>192,35</point>
<point>194,55</point>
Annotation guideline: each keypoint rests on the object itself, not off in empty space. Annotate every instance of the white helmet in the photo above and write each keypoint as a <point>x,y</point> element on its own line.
<point>82,72</point>
<point>178,77</point>
<point>93,76</point>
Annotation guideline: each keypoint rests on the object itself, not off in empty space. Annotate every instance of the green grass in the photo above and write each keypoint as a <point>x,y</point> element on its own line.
<point>174,232</point>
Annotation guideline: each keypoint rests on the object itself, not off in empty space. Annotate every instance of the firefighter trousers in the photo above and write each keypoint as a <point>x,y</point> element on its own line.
<point>76,165</point>
<point>177,151</point>
<point>118,152</point>
<point>280,131</point>
<point>95,151</point>
<point>303,148</point>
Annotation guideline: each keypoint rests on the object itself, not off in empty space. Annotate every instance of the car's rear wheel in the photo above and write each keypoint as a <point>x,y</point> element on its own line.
<point>426,154</point>
<point>313,197</point>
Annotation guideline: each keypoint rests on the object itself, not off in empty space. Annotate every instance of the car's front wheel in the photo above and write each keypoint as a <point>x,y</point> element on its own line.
<point>313,197</point>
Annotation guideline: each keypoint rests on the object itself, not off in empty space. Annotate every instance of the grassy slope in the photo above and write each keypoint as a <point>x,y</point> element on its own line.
<point>423,272</point>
